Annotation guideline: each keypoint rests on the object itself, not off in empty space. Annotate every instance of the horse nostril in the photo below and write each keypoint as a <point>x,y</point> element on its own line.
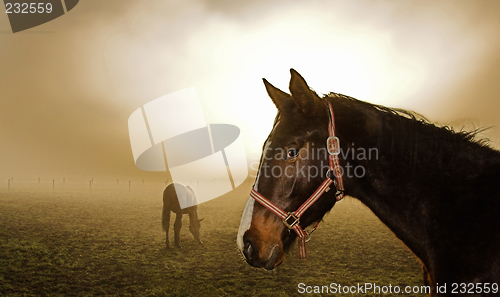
<point>248,249</point>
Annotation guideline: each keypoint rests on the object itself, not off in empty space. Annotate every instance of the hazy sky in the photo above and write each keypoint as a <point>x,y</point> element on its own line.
<point>68,87</point>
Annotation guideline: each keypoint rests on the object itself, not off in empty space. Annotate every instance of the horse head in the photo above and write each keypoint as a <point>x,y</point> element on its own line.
<point>293,165</point>
<point>194,222</point>
<point>194,227</point>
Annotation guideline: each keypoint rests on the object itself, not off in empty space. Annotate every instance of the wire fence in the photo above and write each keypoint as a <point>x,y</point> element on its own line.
<point>64,184</point>
<point>59,185</point>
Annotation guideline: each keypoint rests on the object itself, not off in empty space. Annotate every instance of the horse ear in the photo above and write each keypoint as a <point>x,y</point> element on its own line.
<point>301,94</point>
<point>277,95</point>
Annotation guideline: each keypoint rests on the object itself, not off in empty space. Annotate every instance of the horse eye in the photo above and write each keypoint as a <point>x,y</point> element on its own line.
<point>291,153</point>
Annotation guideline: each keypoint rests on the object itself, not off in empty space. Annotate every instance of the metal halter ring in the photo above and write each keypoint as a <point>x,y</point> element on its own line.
<point>332,177</point>
<point>309,234</point>
<point>291,215</point>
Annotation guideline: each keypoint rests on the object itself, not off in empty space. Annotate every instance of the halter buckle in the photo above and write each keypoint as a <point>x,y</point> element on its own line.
<point>333,145</point>
<point>295,221</point>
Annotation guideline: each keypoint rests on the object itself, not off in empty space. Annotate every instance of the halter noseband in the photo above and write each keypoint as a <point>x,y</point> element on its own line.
<point>291,219</point>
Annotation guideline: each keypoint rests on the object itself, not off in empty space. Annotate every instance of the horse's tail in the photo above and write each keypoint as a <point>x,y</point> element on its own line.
<point>165,214</point>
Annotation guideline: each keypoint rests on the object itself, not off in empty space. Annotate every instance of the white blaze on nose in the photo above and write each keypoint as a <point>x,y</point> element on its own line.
<point>246,220</point>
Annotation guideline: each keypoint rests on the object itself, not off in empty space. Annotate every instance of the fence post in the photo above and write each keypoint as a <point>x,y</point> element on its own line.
<point>8,188</point>
<point>53,182</point>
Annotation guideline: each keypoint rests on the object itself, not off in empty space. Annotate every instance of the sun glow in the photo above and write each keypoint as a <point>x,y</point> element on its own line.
<point>361,66</point>
<point>362,62</point>
<point>386,59</point>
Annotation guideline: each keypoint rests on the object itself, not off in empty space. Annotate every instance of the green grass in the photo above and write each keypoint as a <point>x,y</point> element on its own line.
<point>72,243</point>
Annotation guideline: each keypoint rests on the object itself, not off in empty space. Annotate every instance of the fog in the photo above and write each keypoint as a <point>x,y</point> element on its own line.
<point>67,87</point>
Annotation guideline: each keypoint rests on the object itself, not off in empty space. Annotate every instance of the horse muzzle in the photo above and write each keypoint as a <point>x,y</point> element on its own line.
<point>267,257</point>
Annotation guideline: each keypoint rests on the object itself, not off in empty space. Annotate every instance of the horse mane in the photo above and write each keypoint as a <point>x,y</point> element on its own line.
<point>405,133</point>
<point>470,136</point>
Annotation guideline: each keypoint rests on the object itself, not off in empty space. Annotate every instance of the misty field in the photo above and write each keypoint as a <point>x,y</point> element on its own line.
<point>110,242</point>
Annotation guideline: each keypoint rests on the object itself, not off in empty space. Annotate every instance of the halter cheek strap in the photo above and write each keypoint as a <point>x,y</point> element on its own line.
<point>292,219</point>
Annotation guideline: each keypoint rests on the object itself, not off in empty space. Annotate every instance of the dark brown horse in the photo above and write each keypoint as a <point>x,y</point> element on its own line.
<point>171,196</point>
<point>436,189</point>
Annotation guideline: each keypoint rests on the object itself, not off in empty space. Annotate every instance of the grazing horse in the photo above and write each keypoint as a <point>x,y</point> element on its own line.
<point>171,196</point>
<point>435,188</point>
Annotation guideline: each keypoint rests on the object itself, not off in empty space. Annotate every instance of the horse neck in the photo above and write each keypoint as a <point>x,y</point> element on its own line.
<point>413,166</point>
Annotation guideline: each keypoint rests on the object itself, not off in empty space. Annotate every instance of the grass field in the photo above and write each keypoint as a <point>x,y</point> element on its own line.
<point>110,242</point>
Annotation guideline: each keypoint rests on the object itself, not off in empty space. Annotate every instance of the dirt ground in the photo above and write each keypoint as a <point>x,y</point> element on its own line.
<point>73,242</point>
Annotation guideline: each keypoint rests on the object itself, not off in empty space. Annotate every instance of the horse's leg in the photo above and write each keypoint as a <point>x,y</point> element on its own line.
<point>166,225</point>
<point>177,229</point>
